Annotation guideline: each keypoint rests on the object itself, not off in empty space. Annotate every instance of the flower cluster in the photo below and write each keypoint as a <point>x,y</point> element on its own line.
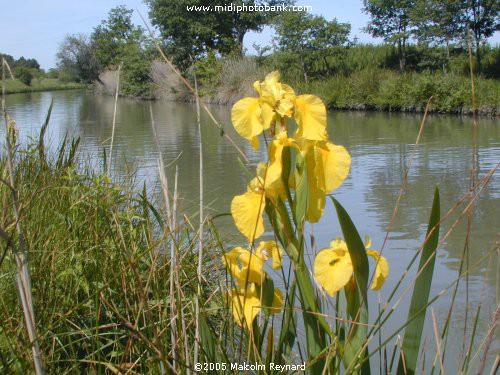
<point>327,164</point>
<point>320,167</point>
<point>247,272</point>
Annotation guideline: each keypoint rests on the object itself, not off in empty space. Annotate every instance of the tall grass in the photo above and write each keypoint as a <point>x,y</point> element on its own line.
<point>100,278</point>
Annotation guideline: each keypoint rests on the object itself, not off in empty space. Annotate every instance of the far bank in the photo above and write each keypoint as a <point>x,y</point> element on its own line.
<point>15,86</point>
<point>372,89</point>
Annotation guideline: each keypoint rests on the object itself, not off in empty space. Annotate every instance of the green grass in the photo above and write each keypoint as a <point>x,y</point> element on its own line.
<point>39,84</point>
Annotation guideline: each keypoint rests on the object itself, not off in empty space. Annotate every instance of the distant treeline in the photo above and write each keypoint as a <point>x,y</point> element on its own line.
<point>420,37</point>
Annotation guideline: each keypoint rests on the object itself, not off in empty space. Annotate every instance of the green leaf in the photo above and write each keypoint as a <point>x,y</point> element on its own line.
<point>356,295</point>
<point>267,295</point>
<point>41,143</point>
<point>419,300</point>
<point>207,339</point>
<point>288,330</point>
<point>301,192</point>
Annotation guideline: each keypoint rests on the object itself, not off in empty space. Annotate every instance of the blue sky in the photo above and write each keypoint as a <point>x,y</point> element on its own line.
<point>34,28</point>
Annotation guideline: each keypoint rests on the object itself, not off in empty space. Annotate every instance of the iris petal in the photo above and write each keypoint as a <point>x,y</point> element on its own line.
<point>381,269</point>
<point>336,162</point>
<point>333,269</point>
<point>246,118</point>
<point>315,203</point>
<point>310,114</point>
<point>327,167</point>
<point>245,306</point>
<point>252,270</point>
<point>247,210</point>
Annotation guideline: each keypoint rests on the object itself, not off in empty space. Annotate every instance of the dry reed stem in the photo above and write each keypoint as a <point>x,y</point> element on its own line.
<point>174,281</point>
<point>489,339</point>
<point>438,343</point>
<point>166,198</point>
<point>114,118</point>
<point>200,234</point>
<point>131,328</point>
<point>193,91</point>
<point>23,278</point>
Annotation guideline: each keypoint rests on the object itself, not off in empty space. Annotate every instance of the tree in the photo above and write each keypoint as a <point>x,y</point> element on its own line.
<point>189,33</point>
<point>390,19</point>
<point>117,41</point>
<point>76,58</point>
<point>22,62</point>
<point>311,38</point>
<point>115,34</point>
<point>483,19</point>
<point>438,21</point>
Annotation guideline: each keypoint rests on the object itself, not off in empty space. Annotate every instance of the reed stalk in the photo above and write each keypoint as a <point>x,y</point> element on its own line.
<point>114,118</point>
<point>23,278</point>
<point>193,91</point>
<point>200,229</point>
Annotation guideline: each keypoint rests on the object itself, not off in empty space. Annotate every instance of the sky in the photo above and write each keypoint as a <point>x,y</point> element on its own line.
<point>35,28</point>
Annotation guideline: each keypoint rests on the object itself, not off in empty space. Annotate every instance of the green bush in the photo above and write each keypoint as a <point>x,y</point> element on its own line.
<point>135,78</point>
<point>24,75</point>
<point>208,74</point>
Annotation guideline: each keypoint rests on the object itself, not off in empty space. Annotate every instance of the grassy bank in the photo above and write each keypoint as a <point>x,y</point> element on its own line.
<point>384,90</point>
<point>43,84</point>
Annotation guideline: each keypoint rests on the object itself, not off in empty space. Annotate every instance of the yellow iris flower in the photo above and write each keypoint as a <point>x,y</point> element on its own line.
<point>247,267</point>
<point>277,101</point>
<point>327,164</point>
<point>247,270</point>
<point>245,305</point>
<point>333,267</point>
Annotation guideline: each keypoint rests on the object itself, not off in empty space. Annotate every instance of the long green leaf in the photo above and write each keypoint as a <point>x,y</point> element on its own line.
<point>413,333</point>
<point>301,193</point>
<point>288,330</point>
<point>357,299</point>
<point>41,144</point>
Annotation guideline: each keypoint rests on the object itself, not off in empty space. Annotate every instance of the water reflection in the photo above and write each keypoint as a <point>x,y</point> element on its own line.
<point>380,146</point>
